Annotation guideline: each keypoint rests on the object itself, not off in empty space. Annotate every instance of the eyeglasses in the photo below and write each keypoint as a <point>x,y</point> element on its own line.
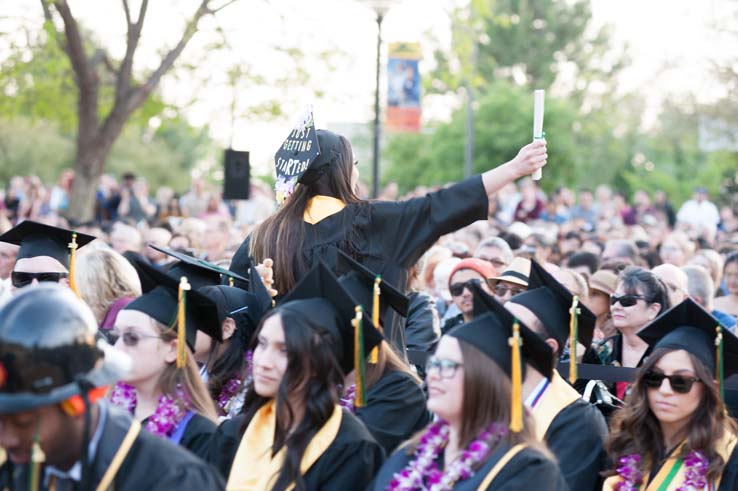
<point>21,279</point>
<point>627,300</point>
<point>130,338</point>
<point>680,384</point>
<point>457,289</point>
<point>502,290</point>
<point>446,368</point>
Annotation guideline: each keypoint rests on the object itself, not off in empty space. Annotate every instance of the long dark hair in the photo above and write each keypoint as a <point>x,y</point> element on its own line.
<point>281,236</point>
<point>635,429</point>
<point>312,372</point>
<point>229,364</point>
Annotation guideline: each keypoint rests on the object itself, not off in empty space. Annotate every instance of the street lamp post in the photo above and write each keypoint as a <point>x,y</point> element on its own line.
<point>380,8</point>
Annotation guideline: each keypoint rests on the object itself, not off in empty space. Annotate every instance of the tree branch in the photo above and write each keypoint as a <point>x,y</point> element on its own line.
<point>47,11</point>
<point>125,73</point>
<point>218,9</point>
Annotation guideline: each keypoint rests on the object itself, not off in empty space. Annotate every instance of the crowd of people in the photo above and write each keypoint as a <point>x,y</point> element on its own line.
<point>480,335</point>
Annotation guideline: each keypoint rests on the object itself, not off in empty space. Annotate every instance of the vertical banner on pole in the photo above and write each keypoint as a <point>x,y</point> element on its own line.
<point>403,90</point>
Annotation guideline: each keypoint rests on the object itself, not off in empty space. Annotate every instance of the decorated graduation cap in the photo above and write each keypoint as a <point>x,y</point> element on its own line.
<point>535,350</point>
<point>173,302</point>
<point>561,313</point>
<point>326,300</point>
<point>199,272</point>
<point>370,290</point>
<point>688,326</point>
<point>38,239</point>
<point>501,341</point>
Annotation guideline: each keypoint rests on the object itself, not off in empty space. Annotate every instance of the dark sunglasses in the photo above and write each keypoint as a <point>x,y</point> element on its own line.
<point>680,384</point>
<point>502,290</point>
<point>457,289</point>
<point>21,279</point>
<point>627,300</point>
<point>130,338</point>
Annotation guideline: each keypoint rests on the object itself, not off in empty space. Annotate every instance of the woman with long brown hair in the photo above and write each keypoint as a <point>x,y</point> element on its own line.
<point>675,432</point>
<point>481,441</point>
<point>323,214</point>
<point>164,389</point>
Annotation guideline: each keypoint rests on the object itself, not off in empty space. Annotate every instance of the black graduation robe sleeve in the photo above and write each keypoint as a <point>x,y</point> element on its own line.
<point>197,435</point>
<point>729,480</point>
<point>529,469</point>
<point>395,409</point>
<point>423,325</point>
<point>576,437</point>
<point>223,445</point>
<point>240,263</point>
<point>409,228</point>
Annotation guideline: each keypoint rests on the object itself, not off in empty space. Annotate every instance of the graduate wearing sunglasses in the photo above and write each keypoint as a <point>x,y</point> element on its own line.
<point>675,432</point>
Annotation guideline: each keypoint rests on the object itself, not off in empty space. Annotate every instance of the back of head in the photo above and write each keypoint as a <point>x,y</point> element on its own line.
<point>700,285</point>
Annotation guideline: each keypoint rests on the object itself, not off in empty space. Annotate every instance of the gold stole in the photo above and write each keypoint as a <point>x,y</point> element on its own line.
<point>558,395</point>
<point>320,207</point>
<point>724,447</point>
<point>254,469</point>
<point>500,465</point>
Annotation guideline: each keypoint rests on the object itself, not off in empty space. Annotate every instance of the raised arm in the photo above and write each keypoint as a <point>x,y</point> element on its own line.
<point>529,159</point>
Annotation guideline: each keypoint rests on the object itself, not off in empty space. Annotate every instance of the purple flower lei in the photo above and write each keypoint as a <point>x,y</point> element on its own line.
<point>695,473</point>
<point>168,414</point>
<point>423,473</point>
<point>347,399</point>
<point>233,386</point>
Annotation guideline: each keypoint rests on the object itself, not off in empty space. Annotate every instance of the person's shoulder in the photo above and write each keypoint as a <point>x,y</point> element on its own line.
<point>352,431</point>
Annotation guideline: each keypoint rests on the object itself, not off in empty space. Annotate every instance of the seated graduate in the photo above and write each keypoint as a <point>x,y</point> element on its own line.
<point>574,429</point>
<point>394,408</point>
<point>225,365</point>
<point>675,432</point>
<point>45,253</point>
<point>479,441</point>
<point>57,429</point>
<point>292,433</point>
<point>164,390</point>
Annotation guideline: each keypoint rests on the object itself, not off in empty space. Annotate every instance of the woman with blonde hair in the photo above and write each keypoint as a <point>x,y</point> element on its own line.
<point>164,389</point>
<point>106,282</point>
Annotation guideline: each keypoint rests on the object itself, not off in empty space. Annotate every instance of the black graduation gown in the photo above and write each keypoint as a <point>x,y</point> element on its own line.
<point>388,237</point>
<point>576,437</point>
<point>395,409</point>
<point>350,461</point>
<point>152,464</point>
<point>197,435</point>
<point>528,470</point>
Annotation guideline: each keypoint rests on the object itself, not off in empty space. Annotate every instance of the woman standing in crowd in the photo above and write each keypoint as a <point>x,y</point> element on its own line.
<point>164,390</point>
<point>324,214</point>
<point>675,432</point>
<point>292,431</point>
<point>729,302</point>
<point>476,443</point>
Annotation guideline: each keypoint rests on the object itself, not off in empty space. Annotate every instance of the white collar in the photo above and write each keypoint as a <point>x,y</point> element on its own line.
<point>535,395</point>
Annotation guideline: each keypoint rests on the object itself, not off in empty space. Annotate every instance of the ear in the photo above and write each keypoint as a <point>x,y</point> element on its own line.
<point>553,344</point>
<point>170,350</point>
<point>64,282</point>
<point>653,310</point>
<point>228,327</point>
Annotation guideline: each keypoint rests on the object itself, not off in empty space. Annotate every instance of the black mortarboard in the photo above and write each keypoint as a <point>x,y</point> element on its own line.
<point>551,302</point>
<point>690,327</point>
<point>534,349</point>
<point>199,272</point>
<point>245,308</point>
<point>335,312</point>
<point>160,301</point>
<point>359,281</point>
<point>37,239</point>
<point>302,150</point>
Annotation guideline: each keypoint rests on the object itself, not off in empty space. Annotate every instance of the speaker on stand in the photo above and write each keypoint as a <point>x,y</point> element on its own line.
<point>236,182</point>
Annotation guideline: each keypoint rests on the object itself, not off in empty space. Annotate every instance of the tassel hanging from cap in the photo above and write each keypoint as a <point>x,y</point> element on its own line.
<point>573,337</point>
<point>184,286</point>
<point>230,281</point>
<point>72,263</point>
<point>359,367</point>
<point>516,376</point>
<point>374,355</point>
<point>720,375</point>
<point>37,458</point>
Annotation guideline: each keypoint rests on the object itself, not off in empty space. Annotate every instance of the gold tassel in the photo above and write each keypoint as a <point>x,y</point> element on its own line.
<point>516,376</point>
<point>37,458</point>
<point>359,399</point>
<point>573,335</point>
<point>72,263</point>
<point>230,281</point>
<point>374,355</point>
<point>184,286</point>
<point>720,375</point>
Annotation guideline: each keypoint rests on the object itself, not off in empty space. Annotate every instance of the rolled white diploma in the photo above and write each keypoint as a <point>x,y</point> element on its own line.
<point>538,99</point>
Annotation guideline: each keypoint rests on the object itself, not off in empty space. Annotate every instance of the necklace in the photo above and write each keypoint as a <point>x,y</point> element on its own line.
<point>227,400</point>
<point>168,414</point>
<point>695,464</point>
<point>347,399</point>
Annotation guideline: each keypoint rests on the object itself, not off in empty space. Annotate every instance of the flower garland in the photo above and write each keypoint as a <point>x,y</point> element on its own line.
<point>168,414</point>
<point>423,473</point>
<point>347,399</point>
<point>695,464</point>
<point>231,388</point>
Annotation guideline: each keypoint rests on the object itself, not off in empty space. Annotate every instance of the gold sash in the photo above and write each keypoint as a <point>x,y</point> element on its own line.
<point>724,447</point>
<point>558,395</point>
<point>253,467</point>
<point>320,207</point>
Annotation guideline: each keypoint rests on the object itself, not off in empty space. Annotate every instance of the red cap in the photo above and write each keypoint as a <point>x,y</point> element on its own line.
<point>484,268</point>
